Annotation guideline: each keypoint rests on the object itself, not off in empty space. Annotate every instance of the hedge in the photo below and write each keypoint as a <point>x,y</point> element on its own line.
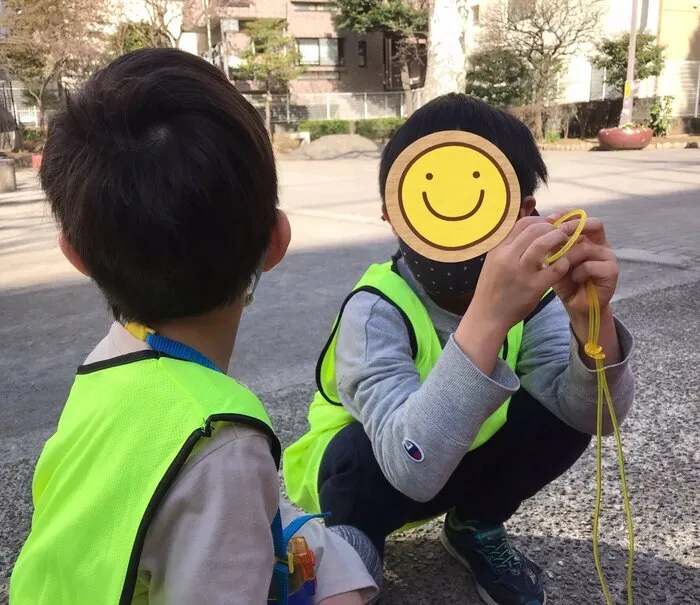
<point>321,128</point>
<point>379,129</point>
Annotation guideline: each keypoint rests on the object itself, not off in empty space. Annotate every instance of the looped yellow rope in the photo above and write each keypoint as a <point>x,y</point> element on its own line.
<point>595,352</point>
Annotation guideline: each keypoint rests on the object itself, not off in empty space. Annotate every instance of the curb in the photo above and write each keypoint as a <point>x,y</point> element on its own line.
<point>636,255</point>
<point>594,146</point>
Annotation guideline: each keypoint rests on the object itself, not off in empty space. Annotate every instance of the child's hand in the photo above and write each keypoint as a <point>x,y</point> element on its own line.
<point>513,278</point>
<point>510,285</point>
<point>591,258</point>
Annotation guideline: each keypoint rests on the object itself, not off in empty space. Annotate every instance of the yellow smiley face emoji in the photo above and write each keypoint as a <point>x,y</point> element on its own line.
<point>452,196</point>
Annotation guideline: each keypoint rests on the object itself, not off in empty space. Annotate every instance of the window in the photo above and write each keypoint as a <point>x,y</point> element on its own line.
<point>321,51</point>
<point>475,15</point>
<point>230,25</point>
<point>519,10</point>
<point>362,53</point>
<point>312,6</point>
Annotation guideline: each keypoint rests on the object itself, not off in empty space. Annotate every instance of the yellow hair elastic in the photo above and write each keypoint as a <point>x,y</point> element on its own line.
<point>595,352</point>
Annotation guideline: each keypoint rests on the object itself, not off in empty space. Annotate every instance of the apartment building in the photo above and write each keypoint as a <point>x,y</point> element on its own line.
<point>334,61</point>
<point>674,23</point>
<point>678,29</point>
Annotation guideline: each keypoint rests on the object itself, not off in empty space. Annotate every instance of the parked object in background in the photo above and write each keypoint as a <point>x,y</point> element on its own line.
<point>629,136</point>
<point>8,182</point>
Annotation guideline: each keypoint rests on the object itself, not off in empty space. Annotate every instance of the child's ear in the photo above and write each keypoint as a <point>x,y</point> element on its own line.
<point>385,218</point>
<point>527,206</point>
<point>71,255</point>
<point>279,241</point>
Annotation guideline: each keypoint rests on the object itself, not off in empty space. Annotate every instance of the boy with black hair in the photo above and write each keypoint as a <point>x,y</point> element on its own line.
<point>462,388</point>
<point>160,485</point>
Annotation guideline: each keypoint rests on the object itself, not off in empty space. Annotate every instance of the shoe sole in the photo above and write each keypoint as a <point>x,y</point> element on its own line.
<point>485,597</point>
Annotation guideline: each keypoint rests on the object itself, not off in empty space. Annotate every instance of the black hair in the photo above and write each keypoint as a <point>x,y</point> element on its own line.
<point>162,178</point>
<point>457,111</point>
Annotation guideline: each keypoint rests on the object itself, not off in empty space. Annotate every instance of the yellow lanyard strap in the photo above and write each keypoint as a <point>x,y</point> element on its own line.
<point>595,352</point>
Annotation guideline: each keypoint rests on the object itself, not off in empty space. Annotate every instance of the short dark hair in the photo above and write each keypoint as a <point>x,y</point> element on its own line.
<point>456,111</point>
<point>163,180</point>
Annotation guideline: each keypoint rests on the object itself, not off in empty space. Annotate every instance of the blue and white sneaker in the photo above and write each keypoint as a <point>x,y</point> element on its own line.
<point>503,575</point>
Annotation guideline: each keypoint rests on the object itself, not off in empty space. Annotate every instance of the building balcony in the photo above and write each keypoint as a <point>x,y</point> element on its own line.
<point>232,10</point>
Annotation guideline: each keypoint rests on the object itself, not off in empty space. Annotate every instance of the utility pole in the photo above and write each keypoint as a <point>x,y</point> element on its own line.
<point>207,17</point>
<point>628,98</point>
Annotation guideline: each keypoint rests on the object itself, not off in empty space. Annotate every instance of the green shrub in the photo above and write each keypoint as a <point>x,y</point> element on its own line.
<point>379,129</point>
<point>33,135</point>
<point>552,137</point>
<point>660,116</point>
<point>321,128</point>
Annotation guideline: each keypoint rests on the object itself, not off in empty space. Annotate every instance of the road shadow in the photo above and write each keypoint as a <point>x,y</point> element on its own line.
<point>419,571</point>
<point>47,330</point>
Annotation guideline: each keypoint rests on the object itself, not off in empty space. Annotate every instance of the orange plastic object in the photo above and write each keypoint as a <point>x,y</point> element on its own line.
<point>303,556</point>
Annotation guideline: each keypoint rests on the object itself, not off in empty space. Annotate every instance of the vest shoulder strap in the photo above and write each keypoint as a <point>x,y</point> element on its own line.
<point>544,301</point>
<point>384,281</point>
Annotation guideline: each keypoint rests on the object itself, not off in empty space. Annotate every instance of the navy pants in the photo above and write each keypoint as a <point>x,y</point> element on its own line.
<point>532,449</point>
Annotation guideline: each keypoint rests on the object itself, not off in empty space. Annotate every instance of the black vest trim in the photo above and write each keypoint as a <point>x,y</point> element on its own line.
<point>546,299</point>
<point>372,290</point>
<point>167,481</point>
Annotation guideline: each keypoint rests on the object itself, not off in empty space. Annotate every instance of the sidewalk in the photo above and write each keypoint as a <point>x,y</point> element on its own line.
<point>649,201</point>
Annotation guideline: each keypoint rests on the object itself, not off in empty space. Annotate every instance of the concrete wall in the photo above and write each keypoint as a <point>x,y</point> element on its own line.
<point>679,29</point>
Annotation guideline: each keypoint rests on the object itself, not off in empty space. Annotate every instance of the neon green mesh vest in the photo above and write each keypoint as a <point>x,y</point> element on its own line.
<point>127,429</point>
<point>327,416</point>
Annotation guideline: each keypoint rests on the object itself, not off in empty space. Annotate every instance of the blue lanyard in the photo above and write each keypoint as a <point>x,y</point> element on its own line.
<point>280,536</point>
<point>168,346</point>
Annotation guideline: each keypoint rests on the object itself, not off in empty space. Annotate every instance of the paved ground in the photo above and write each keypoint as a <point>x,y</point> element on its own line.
<point>49,319</point>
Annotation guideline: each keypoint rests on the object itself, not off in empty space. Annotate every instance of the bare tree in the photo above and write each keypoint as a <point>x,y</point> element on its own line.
<point>49,41</point>
<point>447,48</point>
<point>544,33</point>
<point>165,17</point>
<point>157,25</point>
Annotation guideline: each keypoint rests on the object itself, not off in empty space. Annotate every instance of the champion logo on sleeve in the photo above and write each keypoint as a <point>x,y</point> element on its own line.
<point>413,450</point>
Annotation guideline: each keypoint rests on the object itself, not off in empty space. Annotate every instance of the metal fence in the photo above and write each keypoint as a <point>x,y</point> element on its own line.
<point>335,106</point>
<point>679,79</point>
<point>28,116</point>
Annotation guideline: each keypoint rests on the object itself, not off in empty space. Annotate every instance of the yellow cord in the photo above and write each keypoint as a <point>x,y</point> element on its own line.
<point>595,352</point>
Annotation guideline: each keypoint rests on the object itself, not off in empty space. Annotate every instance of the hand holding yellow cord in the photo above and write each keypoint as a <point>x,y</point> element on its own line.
<point>595,352</point>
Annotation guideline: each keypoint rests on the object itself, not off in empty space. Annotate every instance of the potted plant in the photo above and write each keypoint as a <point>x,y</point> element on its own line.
<point>33,142</point>
<point>627,136</point>
<point>36,159</point>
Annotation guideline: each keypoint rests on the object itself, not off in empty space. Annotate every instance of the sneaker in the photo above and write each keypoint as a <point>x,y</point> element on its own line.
<point>502,574</point>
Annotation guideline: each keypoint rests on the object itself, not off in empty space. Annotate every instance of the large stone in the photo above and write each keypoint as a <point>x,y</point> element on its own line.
<point>334,146</point>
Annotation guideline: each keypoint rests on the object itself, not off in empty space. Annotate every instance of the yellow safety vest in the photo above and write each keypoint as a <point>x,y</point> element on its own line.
<point>127,429</point>
<point>302,459</point>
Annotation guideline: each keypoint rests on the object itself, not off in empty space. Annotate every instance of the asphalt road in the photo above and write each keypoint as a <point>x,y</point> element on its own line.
<point>49,320</point>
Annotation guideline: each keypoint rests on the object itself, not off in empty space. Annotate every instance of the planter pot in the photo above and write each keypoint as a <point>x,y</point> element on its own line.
<point>624,138</point>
